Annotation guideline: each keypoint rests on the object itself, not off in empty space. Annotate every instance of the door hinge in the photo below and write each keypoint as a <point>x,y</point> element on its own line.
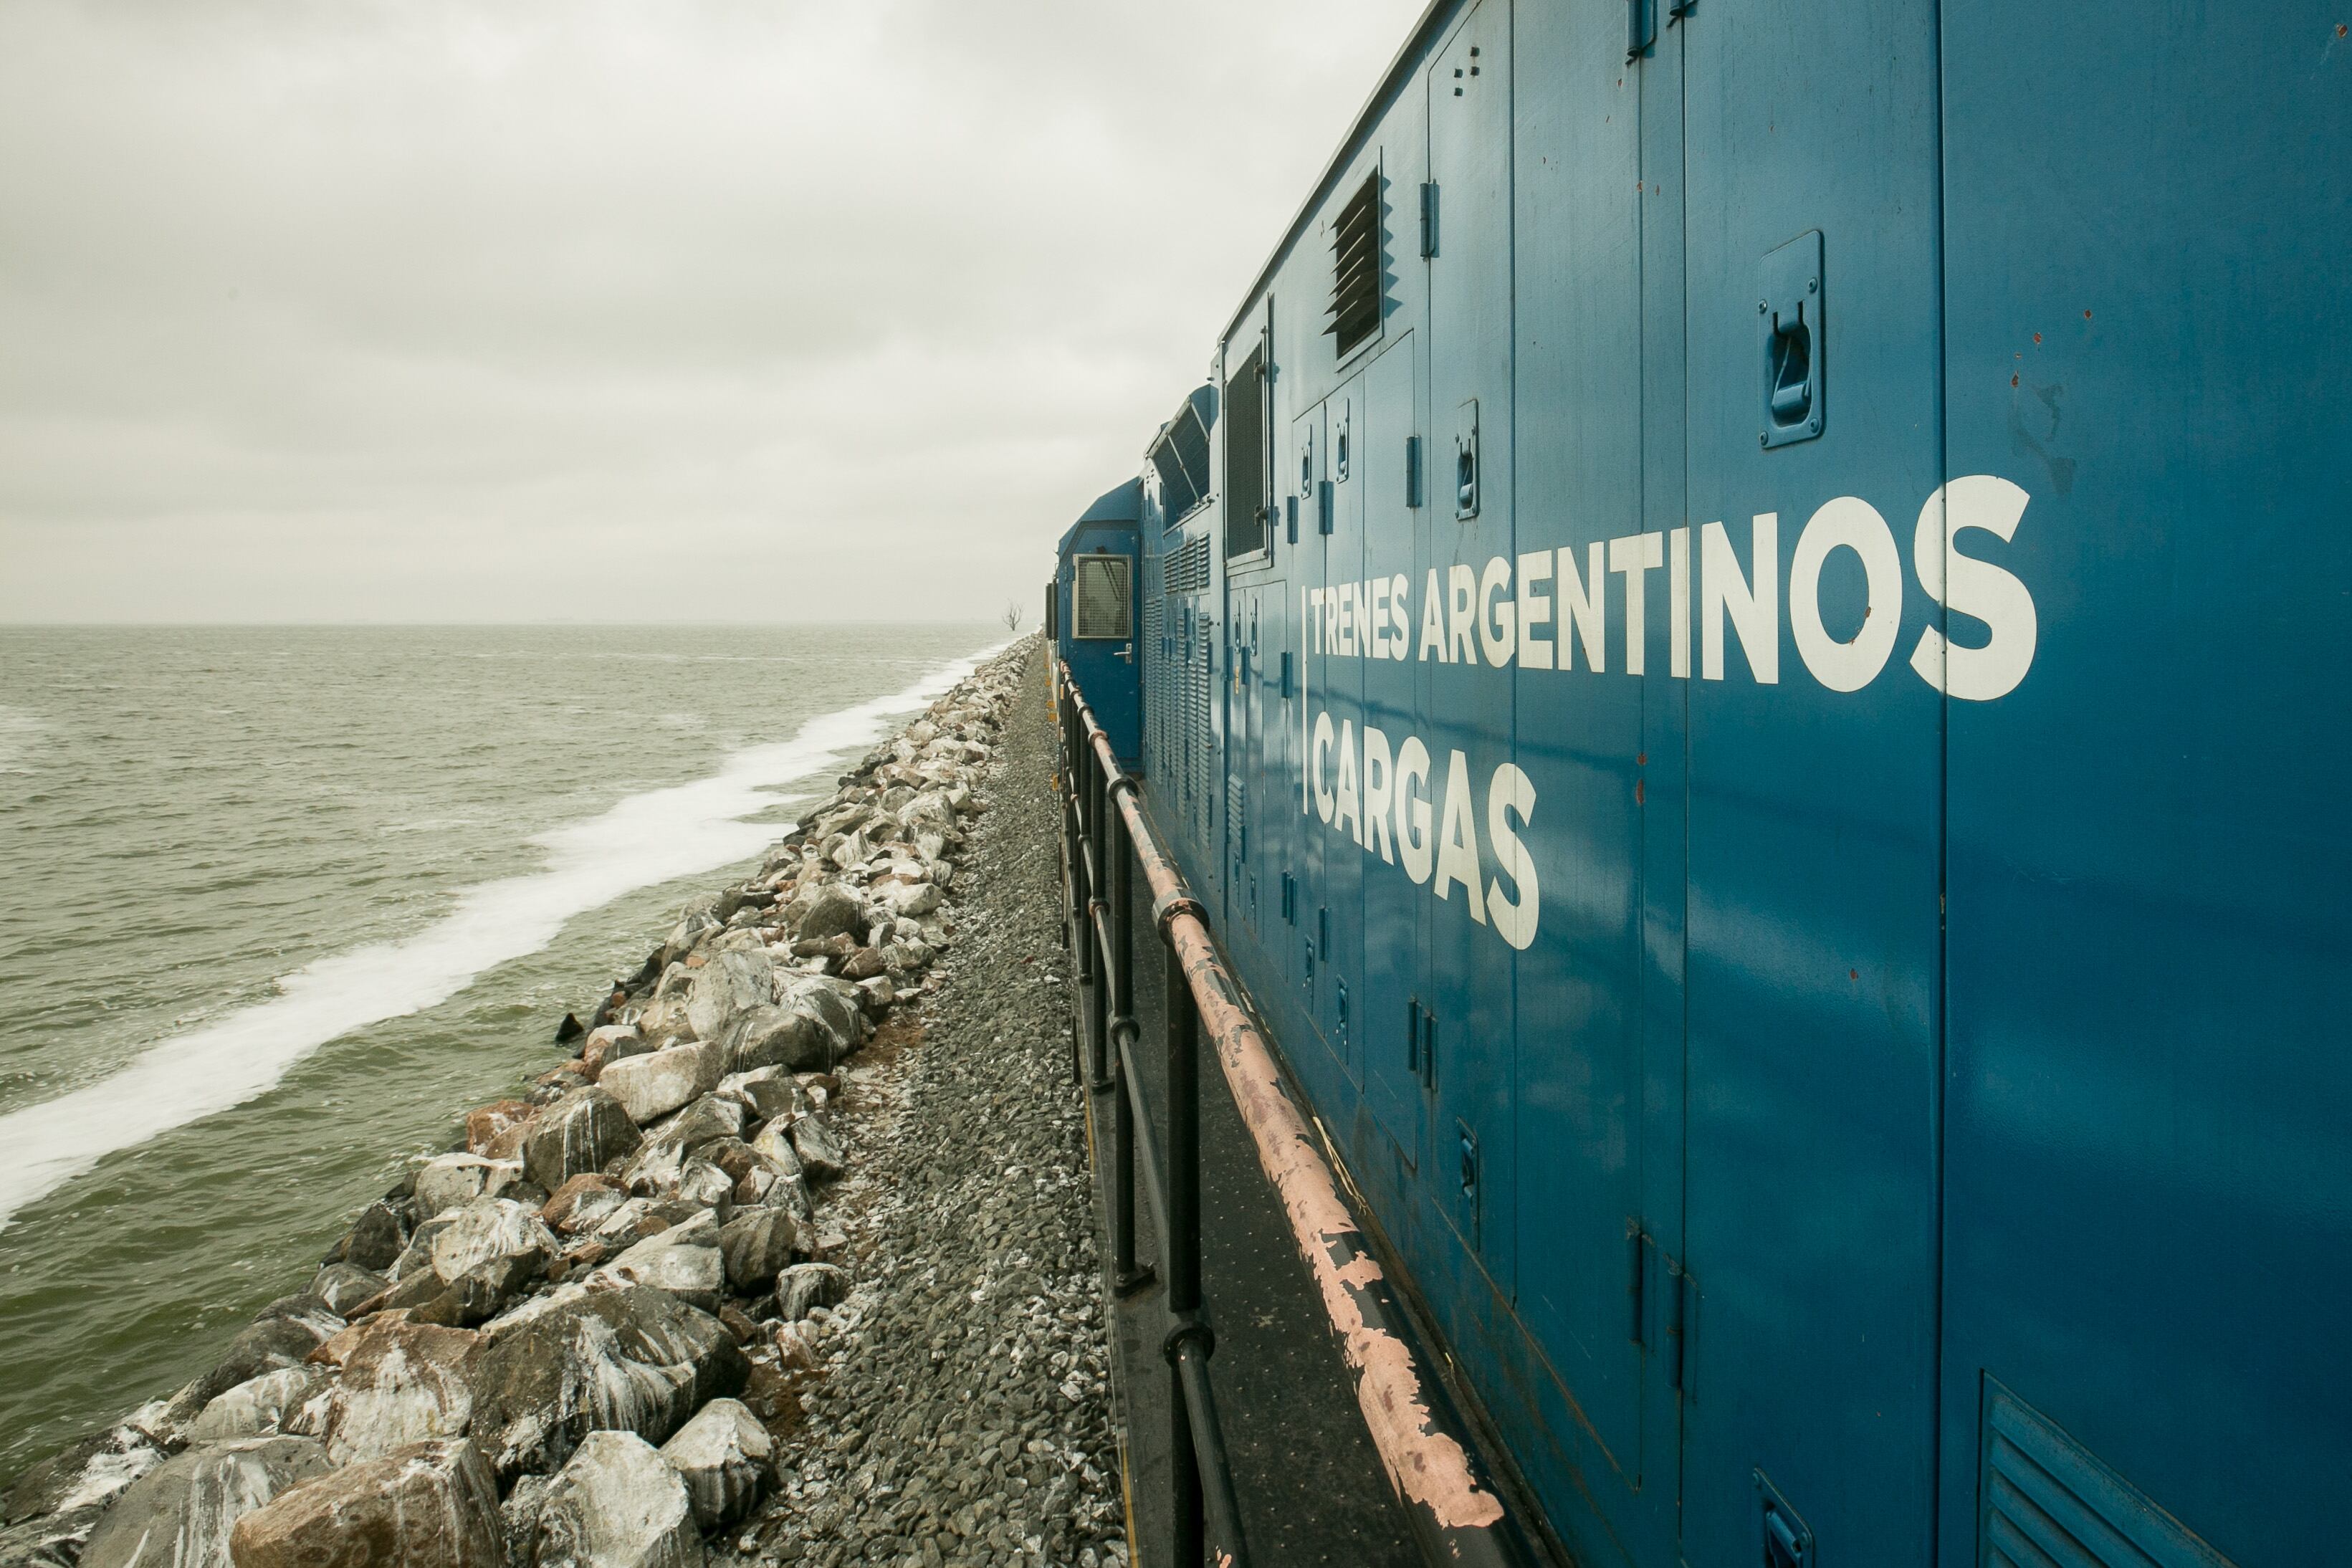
<point>1637,1254</point>
<point>1679,1305</point>
<point>1679,9</point>
<point>1428,218</point>
<point>1412,1035</point>
<point>1412,471</point>
<point>1428,1050</point>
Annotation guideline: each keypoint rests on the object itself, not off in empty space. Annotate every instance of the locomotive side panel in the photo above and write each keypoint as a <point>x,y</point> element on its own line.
<point>2149,1239</point>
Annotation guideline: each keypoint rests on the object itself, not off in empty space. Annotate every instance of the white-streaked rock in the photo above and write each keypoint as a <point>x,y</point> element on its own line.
<point>727,1459</point>
<point>402,1383</point>
<point>487,1230</point>
<point>452,1181</point>
<point>650,1087</point>
<point>684,1260</point>
<point>432,1505</point>
<point>179,1515</point>
<point>254,1407</point>
<point>616,1504</point>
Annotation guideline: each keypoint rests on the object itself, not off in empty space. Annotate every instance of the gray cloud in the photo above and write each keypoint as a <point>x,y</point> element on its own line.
<point>591,310</point>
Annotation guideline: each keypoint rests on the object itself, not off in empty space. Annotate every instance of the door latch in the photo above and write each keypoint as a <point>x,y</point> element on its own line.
<point>1788,1543</point>
<point>1641,28</point>
<point>1465,460</point>
<point>1789,319</point>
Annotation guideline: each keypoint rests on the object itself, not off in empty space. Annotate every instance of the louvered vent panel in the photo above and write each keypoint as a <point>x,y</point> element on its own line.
<point>1204,744</point>
<point>1359,264</point>
<point>1155,621</point>
<point>2046,1500</point>
<point>1188,567</point>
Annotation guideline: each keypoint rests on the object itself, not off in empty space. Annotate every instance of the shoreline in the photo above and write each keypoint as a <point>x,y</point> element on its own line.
<point>640,1250</point>
<point>224,1063</point>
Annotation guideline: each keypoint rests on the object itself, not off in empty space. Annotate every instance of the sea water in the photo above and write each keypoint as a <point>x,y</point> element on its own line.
<point>277,905</point>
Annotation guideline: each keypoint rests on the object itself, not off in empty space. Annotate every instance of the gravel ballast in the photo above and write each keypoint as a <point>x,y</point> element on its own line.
<point>963,1414</point>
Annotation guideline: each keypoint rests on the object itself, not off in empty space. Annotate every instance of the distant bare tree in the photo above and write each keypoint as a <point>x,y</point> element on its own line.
<point>1011,616</point>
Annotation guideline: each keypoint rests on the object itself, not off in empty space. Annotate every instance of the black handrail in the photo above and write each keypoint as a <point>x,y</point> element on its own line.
<point>1456,1515</point>
<point>1097,851</point>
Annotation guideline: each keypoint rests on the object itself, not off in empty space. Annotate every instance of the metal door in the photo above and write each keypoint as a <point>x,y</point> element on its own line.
<point>1393,916</point>
<point>1815,788</point>
<point>2150,1105</point>
<point>1339,900</point>
<point>1466,698</point>
<point>1323,679</point>
<point>1581,737</point>
<point>1099,631</point>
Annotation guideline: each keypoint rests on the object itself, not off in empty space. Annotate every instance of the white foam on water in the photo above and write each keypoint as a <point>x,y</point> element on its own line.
<point>641,841</point>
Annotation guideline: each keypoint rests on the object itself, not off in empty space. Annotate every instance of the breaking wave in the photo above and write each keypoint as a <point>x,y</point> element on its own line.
<point>641,841</point>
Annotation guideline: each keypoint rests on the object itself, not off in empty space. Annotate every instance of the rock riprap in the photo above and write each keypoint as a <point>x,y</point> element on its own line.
<point>589,1332</point>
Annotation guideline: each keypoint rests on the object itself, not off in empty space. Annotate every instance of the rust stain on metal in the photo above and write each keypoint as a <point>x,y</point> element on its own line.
<point>1427,1466</point>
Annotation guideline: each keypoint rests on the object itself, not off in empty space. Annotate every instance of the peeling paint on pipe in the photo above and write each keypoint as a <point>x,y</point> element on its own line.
<point>1428,1465</point>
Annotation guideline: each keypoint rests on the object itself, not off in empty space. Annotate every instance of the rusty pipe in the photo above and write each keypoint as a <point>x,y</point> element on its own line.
<point>1458,1516</point>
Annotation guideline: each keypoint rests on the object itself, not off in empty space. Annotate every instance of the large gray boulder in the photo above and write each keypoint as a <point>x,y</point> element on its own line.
<point>617,1505</point>
<point>179,1515</point>
<point>343,1285</point>
<point>811,1027</point>
<point>701,919</point>
<point>684,1260</point>
<point>650,1087</point>
<point>731,985</point>
<point>483,1257</point>
<point>765,1093</point>
<point>727,1459</point>
<point>661,1162</point>
<point>433,1505</point>
<point>375,1238</point>
<point>831,910</point>
<point>452,1181</point>
<point>807,1286</point>
<point>584,1131</point>
<point>256,1407</point>
<point>487,1231</point>
<point>820,1151</point>
<point>402,1383</point>
<point>634,1360</point>
<point>755,1245</point>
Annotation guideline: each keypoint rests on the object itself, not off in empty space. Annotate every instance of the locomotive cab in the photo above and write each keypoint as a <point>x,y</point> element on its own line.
<point>1093,625</point>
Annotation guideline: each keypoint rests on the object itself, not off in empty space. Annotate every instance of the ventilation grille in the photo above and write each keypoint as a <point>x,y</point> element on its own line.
<point>2047,1501</point>
<point>1099,598</point>
<point>1201,780</point>
<point>1358,262</point>
<point>1188,567</point>
<point>1245,455</point>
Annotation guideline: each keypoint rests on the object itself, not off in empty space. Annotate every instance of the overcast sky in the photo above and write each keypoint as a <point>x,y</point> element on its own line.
<point>679,309</point>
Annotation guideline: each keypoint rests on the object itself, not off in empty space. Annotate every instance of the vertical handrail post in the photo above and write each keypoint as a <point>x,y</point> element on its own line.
<point>1126,1276</point>
<point>1097,846</point>
<point>1180,1249</point>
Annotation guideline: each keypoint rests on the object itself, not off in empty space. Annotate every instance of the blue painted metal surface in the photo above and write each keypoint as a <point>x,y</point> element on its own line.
<point>1103,651</point>
<point>1823,809</point>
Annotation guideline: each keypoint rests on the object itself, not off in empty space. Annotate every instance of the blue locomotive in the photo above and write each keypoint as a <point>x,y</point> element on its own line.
<point>1749,644</point>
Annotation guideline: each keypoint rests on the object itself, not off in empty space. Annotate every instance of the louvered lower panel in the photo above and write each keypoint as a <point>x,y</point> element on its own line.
<point>2048,1502</point>
<point>1205,742</point>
